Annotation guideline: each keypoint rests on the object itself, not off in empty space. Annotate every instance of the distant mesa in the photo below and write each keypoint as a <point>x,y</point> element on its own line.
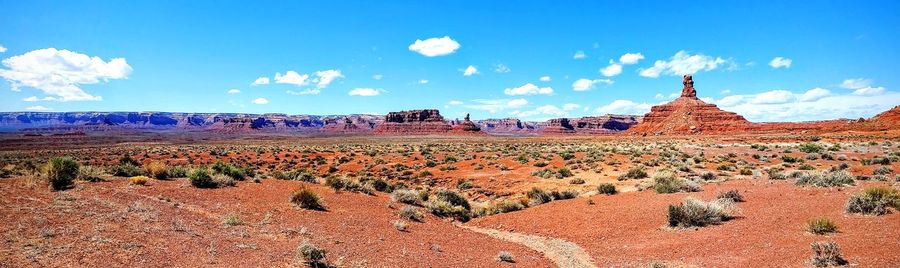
<point>428,121</point>
<point>465,127</point>
<point>689,115</point>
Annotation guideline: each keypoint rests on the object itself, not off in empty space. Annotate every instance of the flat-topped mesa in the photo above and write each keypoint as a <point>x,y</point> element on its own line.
<point>427,121</point>
<point>689,115</point>
<point>558,126</point>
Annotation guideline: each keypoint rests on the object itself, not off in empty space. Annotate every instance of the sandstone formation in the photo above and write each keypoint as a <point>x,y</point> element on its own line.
<point>558,126</point>
<point>689,115</point>
<point>427,121</point>
<point>464,127</point>
<point>887,120</point>
<point>605,124</point>
<point>506,126</point>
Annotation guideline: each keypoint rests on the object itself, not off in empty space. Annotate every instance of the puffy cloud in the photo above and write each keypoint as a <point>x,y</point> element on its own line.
<point>730,101</point>
<point>624,107</point>
<point>292,78</point>
<point>423,81</point>
<point>631,58</point>
<point>260,81</point>
<point>547,110</point>
<point>571,106</point>
<point>260,101</point>
<point>683,63</point>
<point>58,73</point>
<point>828,107</point>
<point>528,89</point>
<point>37,108</point>
<point>455,102</point>
<point>545,78</point>
<point>501,68</point>
<point>311,91</point>
<point>2,49</point>
<point>773,97</point>
<point>779,62</point>
<point>324,78</point>
<point>814,94</point>
<point>234,91</point>
<point>378,76</point>
<point>31,99</point>
<point>856,83</point>
<point>496,105</point>
<point>470,71</point>
<point>613,69</point>
<point>433,47</point>
<point>869,91</point>
<point>584,84</point>
<point>365,92</point>
<point>579,55</point>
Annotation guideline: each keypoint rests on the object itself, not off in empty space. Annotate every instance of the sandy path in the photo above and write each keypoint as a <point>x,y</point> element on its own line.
<point>563,253</point>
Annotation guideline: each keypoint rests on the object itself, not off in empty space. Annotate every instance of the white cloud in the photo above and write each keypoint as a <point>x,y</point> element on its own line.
<point>423,81</point>
<point>496,105</point>
<point>829,107</point>
<point>547,110</point>
<point>260,101</point>
<point>378,76</point>
<point>869,91</point>
<point>311,91</point>
<point>773,97</point>
<point>2,49</point>
<point>659,96</point>
<point>730,101</point>
<point>234,91</point>
<point>324,78</point>
<point>365,92</point>
<point>455,102</point>
<point>613,69</point>
<point>683,63</point>
<point>584,84</point>
<point>260,81</point>
<point>501,68</point>
<point>779,62</point>
<point>37,108</point>
<point>545,78</point>
<point>31,99</point>
<point>856,83</point>
<point>631,58</point>
<point>725,92</point>
<point>470,71</point>
<point>624,107</point>
<point>571,106</point>
<point>814,94</point>
<point>292,78</point>
<point>433,47</point>
<point>579,55</point>
<point>58,73</point>
<point>528,89</point>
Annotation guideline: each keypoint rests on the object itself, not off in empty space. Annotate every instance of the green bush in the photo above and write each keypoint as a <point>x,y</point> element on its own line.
<point>126,170</point>
<point>200,178</point>
<point>442,208</point>
<point>538,196</point>
<point>831,179</point>
<point>452,197</point>
<point>821,226</point>
<point>311,254</point>
<point>692,212</point>
<point>874,201</point>
<point>504,207</point>
<point>306,198</point>
<point>229,170</point>
<point>811,148</point>
<point>177,172</point>
<point>567,194</point>
<point>636,172</point>
<point>61,172</point>
<point>607,189</point>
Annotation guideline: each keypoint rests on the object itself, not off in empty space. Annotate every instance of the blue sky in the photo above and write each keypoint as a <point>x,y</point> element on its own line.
<point>837,58</point>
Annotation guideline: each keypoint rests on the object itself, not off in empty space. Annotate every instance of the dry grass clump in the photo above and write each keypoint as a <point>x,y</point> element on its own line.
<point>827,254</point>
<point>697,213</point>
<point>607,189</point>
<point>411,213</point>
<point>157,170</point>
<point>406,196</point>
<point>61,172</point>
<point>666,182</point>
<point>139,180</point>
<point>448,203</point>
<point>90,173</point>
<point>821,226</point>
<point>831,179</point>
<point>311,254</point>
<point>732,195</point>
<point>307,198</point>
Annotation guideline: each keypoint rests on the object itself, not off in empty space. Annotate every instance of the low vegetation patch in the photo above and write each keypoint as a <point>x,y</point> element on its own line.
<point>874,201</point>
<point>61,172</point>
<point>697,213</point>
<point>406,196</point>
<point>731,195</point>
<point>139,180</point>
<point>827,254</point>
<point>666,182</point>
<point>307,198</point>
<point>448,203</point>
<point>311,254</point>
<point>821,226</point>
<point>411,213</point>
<point>505,257</point>
<point>830,179</point>
<point>607,189</point>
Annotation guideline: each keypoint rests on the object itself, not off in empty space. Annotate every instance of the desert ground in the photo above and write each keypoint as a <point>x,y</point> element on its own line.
<point>157,200</point>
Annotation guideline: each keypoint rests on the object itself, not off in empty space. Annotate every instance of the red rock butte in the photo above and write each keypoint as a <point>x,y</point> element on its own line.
<point>427,121</point>
<point>689,115</point>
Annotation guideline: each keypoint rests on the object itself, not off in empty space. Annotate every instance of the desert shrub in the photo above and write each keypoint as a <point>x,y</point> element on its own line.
<point>636,172</point>
<point>776,174</point>
<point>233,220</point>
<point>576,181</point>
<point>806,167</point>
<point>692,212</point>
<point>222,180</point>
<point>882,170</point>
<point>336,183</point>
<point>826,254</point>
<point>606,188</point>
<point>564,173</point>
<point>504,207</point>
<point>177,172</point>
<point>464,185</point>
<point>411,213</point>
<point>126,170</point>
<point>405,196</point>
<point>666,182</point>
<point>831,179</point>
<point>200,178</point>
<point>139,180</point>
<point>229,170</point>
<point>877,161</point>
<point>90,173</point>
<point>707,176</point>
<point>311,254</point>
<point>538,196</point>
<point>61,172</point>
<point>567,155</point>
<point>874,201</point>
<point>157,170</point>
<point>452,197</point>
<point>821,226</point>
<point>811,148</point>
<point>307,198</point>
<point>732,195</point>
<point>505,256</point>
<point>540,164</point>
<point>442,208</point>
<point>746,172</point>
<point>381,185</point>
<point>400,225</point>
<point>567,194</point>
